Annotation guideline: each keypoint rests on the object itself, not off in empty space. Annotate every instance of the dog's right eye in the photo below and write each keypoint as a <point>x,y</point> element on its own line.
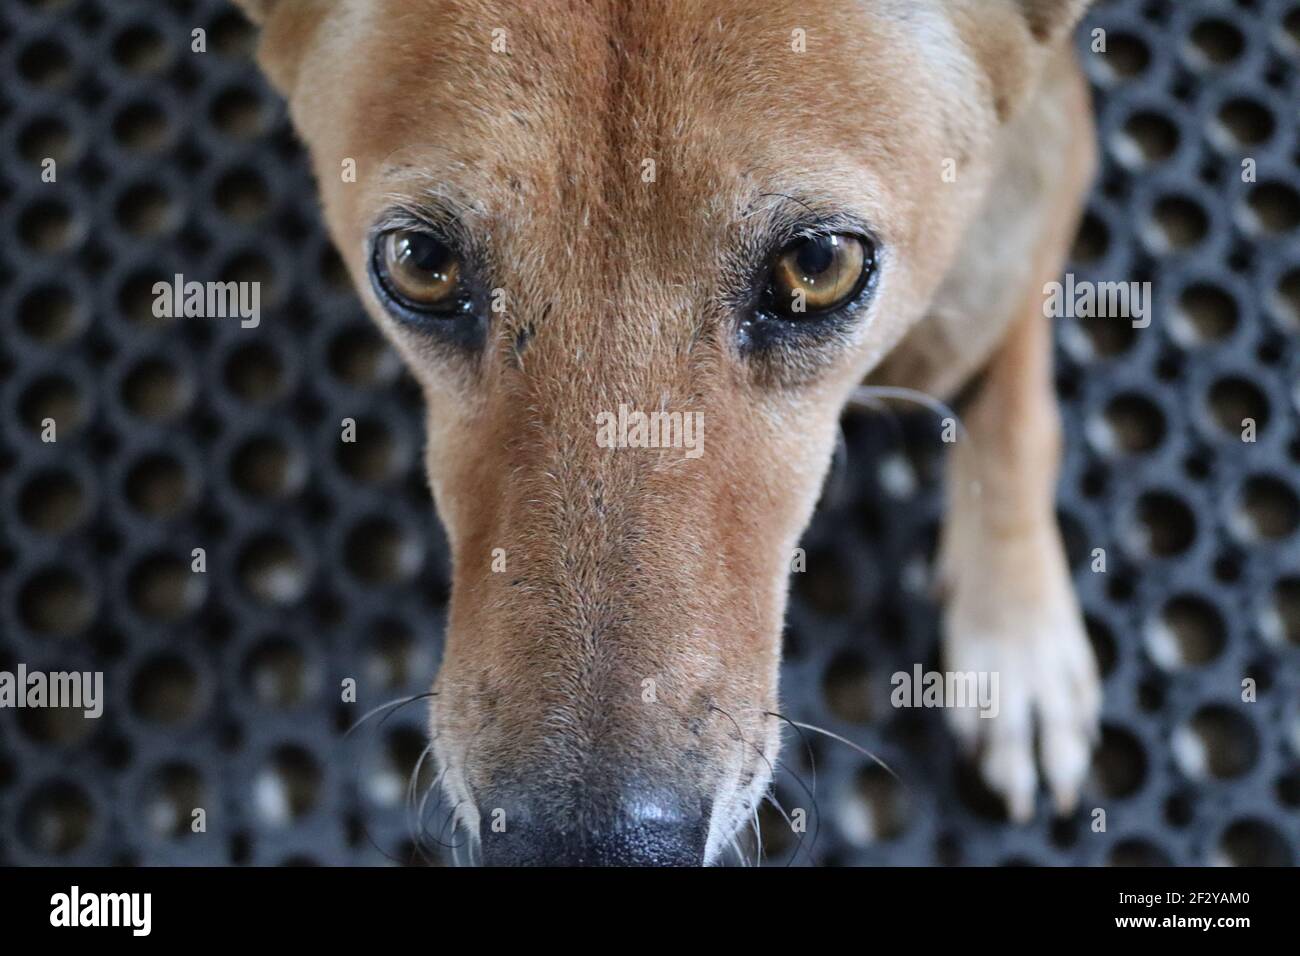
<point>419,273</point>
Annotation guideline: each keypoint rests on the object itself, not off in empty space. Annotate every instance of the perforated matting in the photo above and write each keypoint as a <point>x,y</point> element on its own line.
<point>324,560</point>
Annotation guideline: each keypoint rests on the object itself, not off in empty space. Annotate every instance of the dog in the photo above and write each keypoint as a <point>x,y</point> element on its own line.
<point>562,210</point>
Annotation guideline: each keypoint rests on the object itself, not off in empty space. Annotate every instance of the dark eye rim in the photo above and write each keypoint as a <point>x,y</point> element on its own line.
<point>864,284</point>
<point>463,305</point>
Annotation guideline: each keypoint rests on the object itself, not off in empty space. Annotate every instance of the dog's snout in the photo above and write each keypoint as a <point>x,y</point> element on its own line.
<point>644,831</point>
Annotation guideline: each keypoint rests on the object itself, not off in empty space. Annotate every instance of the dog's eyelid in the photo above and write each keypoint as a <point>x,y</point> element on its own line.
<point>444,230</point>
<point>782,218</point>
<point>836,225</point>
<point>445,217</point>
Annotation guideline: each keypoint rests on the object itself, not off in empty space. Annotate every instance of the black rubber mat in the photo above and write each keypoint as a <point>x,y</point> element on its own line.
<point>324,560</point>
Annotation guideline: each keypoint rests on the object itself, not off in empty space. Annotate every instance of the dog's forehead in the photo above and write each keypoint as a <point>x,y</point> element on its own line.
<point>591,109</point>
<point>597,57</point>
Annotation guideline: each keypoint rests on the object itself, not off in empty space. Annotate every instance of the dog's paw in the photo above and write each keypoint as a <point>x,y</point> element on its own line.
<point>1016,616</point>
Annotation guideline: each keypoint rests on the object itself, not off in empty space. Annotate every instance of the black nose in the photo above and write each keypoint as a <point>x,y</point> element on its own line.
<point>639,832</point>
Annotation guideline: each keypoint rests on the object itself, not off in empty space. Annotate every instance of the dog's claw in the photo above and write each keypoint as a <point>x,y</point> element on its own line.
<point>1008,768</point>
<point>1066,752</point>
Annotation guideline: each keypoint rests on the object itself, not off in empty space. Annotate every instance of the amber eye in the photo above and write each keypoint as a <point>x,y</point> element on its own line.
<point>819,274</point>
<point>419,271</point>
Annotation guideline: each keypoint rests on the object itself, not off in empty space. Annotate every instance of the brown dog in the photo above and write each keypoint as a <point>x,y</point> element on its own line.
<point>731,213</point>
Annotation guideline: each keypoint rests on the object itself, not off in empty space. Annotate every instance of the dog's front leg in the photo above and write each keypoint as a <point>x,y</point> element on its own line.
<point>1011,609</point>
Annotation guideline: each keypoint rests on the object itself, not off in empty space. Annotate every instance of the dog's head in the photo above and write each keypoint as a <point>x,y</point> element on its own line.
<point>637,254</point>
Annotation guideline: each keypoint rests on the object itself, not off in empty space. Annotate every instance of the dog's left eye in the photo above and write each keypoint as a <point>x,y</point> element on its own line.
<point>819,274</point>
<point>419,272</point>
